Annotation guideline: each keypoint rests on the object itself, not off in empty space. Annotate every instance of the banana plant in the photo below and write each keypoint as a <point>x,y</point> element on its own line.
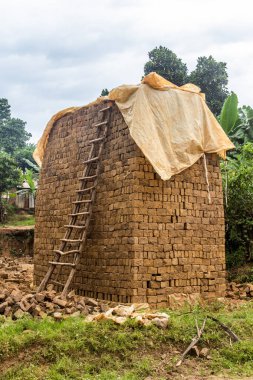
<point>28,176</point>
<point>36,168</point>
<point>237,122</point>
<point>243,130</point>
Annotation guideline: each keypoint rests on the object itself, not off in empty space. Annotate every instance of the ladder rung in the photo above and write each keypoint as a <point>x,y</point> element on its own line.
<point>73,226</point>
<point>102,123</point>
<point>105,109</point>
<point>85,190</point>
<point>56,283</point>
<point>63,264</point>
<point>72,240</point>
<point>66,253</point>
<point>96,140</point>
<point>84,201</point>
<point>91,160</point>
<point>80,213</point>
<point>88,177</point>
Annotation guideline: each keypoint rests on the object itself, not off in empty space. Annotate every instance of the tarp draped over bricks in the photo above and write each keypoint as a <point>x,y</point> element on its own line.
<point>172,125</point>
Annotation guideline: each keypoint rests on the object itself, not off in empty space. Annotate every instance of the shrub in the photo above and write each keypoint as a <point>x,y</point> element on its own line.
<point>238,184</point>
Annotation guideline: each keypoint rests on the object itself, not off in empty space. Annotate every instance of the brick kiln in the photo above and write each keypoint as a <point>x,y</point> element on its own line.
<point>149,238</point>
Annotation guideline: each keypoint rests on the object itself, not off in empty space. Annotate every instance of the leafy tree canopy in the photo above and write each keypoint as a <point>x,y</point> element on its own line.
<point>13,135</point>
<point>211,76</point>
<point>104,92</point>
<point>5,109</point>
<point>166,63</point>
<point>24,157</point>
<point>238,180</point>
<point>10,173</point>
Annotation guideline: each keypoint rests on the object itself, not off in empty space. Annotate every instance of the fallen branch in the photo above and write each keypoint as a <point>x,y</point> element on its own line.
<point>233,336</point>
<point>193,342</point>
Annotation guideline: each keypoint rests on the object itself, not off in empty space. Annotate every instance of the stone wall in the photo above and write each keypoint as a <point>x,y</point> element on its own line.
<point>149,238</point>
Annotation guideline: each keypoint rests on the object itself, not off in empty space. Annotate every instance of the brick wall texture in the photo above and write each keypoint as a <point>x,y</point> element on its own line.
<point>149,239</point>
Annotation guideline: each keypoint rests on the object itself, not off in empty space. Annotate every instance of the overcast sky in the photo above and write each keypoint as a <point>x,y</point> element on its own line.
<point>59,53</point>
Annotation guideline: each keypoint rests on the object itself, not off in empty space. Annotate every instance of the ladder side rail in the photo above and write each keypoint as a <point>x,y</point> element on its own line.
<point>85,232</point>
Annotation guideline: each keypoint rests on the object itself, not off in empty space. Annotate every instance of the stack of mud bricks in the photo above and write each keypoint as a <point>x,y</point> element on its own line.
<point>149,239</point>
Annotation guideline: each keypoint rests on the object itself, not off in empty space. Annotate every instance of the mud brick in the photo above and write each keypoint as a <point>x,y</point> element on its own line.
<point>3,306</point>
<point>16,295</point>
<point>142,226</point>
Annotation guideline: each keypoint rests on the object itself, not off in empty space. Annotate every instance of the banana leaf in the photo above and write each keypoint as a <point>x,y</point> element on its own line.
<point>229,113</point>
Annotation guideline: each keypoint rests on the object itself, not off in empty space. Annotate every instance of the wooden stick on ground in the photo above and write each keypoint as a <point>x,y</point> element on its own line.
<point>193,342</point>
<point>233,336</point>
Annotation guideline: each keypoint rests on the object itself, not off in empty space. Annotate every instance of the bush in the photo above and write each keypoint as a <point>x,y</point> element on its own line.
<point>238,180</point>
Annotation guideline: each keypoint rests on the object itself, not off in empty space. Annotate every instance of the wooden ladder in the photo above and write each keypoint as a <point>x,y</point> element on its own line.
<point>75,236</point>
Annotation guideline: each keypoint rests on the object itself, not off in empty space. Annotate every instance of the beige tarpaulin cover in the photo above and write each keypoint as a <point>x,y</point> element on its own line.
<point>171,125</point>
<point>38,154</point>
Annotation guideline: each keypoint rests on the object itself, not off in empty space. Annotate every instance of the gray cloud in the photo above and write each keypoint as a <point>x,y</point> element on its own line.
<point>59,53</point>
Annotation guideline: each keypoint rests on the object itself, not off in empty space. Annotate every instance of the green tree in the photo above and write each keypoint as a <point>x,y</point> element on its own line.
<point>104,92</point>
<point>10,177</point>
<point>13,135</point>
<point>5,109</point>
<point>24,157</point>
<point>238,179</point>
<point>211,76</point>
<point>10,173</point>
<point>166,63</point>
<point>15,153</point>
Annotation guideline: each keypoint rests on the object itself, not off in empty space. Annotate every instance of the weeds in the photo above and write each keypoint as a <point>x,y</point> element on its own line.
<point>77,350</point>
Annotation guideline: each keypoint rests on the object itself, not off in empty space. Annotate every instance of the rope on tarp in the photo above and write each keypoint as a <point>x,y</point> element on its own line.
<point>207,181</point>
<point>226,183</point>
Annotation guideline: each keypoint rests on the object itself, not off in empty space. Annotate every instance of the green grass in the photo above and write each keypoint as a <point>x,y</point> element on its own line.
<point>35,349</point>
<point>20,220</point>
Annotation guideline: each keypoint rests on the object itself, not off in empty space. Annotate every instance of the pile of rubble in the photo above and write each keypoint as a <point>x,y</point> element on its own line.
<point>139,312</point>
<point>16,304</point>
<point>19,299</point>
<point>239,291</point>
<point>17,272</point>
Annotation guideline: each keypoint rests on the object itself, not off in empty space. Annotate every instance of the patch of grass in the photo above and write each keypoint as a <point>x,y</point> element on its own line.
<point>25,222</point>
<point>235,360</point>
<point>77,350</point>
<point>27,372</point>
<point>20,220</point>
